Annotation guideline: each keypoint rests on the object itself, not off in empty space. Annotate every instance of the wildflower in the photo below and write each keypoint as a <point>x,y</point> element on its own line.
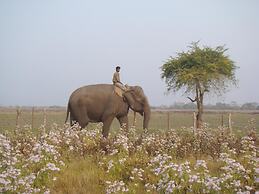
<point>248,188</point>
<point>212,183</point>
<point>193,178</point>
<point>121,161</point>
<point>71,148</point>
<point>4,182</point>
<point>62,163</point>
<point>47,191</point>
<point>116,187</point>
<point>237,183</point>
<point>170,187</point>
<point>201,163</point>
<point>52,167</point>
<point>110,165</point>
<point>115,151</point>
<point>35,158</point>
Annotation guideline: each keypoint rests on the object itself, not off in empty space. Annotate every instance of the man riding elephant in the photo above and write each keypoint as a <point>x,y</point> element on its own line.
<point>116,79</point>
<point>101,103</point>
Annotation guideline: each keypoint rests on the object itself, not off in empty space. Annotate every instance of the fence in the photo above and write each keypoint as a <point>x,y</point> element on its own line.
<point>177,119</point>
<point>11,118</point>
<point>35,116</point>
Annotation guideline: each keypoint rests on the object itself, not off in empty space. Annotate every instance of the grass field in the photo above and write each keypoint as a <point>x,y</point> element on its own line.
<point>69,160</point>
<point>63,159</point>
<point>159,119</point>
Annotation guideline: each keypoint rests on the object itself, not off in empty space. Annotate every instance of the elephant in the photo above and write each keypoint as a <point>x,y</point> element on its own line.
<point>99,103</point>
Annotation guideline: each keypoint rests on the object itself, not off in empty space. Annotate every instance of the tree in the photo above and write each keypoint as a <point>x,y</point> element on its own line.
<point>198,71</point>
<point>249,106</point>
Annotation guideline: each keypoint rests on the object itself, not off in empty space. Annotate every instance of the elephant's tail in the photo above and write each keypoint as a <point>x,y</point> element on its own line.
<point>68,111</point>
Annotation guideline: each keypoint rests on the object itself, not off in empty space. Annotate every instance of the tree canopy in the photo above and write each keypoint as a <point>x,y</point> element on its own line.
<point>209,67</point>
<point>199,70</point>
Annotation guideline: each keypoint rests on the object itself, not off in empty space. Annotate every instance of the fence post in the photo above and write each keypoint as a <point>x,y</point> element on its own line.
<point>168,120</point>
<point>194,122</point>
<point>222,120</point>
<point>18,114</point>
<point>32,118</point>
<point>45,118</point>
<point>229,123</point>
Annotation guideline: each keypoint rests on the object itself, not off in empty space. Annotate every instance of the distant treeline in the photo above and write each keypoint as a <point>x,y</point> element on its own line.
<point>217,106</point>
<point>176,105</point>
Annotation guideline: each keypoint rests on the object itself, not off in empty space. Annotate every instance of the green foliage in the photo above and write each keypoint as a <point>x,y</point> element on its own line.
<point>210,67</point>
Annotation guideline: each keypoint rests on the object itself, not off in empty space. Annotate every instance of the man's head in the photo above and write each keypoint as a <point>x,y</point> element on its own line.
<point>118,68</point>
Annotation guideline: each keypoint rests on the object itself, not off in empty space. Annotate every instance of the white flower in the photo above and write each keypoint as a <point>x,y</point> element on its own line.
<point>110,165</point>
<point>193,178</point>
<point>116,187</point>
<point>237,183</point>
<point>62,163</point>
<point>52,167</point>
<point>115,151</point>
<point>121,161</point>
<point>35,158</point>
<point>170,187</point>
<point>4,182</point>
<point>248,188</point>
<point>47,191</point>
<point>71,148</point>
<point>201,163</point>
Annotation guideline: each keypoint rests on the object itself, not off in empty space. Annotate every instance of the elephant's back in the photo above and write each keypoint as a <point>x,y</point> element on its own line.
<point>90,100</point>
<point>95,92</point>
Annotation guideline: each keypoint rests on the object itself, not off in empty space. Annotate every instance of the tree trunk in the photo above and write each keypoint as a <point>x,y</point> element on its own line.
<point>199,116</point>
<point>199,97</point>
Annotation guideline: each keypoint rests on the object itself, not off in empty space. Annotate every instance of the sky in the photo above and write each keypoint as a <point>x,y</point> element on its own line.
<point>50,48</point>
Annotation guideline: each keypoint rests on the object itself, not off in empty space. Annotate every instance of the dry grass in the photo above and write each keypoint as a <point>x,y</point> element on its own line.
<point>81,176</point>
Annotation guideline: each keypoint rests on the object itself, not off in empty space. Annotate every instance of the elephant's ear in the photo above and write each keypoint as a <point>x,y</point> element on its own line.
<point>129,98</point>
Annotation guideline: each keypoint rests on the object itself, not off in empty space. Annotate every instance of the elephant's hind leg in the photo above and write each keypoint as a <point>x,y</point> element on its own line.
<point>83,122</point>
<point>123,122</point>
<point>72,119</point>
<point>82,117</point>
<point>106,125</point>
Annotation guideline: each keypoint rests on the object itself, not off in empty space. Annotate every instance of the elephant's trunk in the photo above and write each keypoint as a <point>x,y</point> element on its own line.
<point>147,113</point>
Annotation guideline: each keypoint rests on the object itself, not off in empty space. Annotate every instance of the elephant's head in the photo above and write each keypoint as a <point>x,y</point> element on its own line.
<point>139,103</point>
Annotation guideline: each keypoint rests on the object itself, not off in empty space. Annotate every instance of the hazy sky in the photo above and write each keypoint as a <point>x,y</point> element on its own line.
<point>49,48</point>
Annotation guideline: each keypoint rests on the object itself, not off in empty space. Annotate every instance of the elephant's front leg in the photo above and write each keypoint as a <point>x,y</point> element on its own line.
<point>106,125</point>
<point>124,122</point>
